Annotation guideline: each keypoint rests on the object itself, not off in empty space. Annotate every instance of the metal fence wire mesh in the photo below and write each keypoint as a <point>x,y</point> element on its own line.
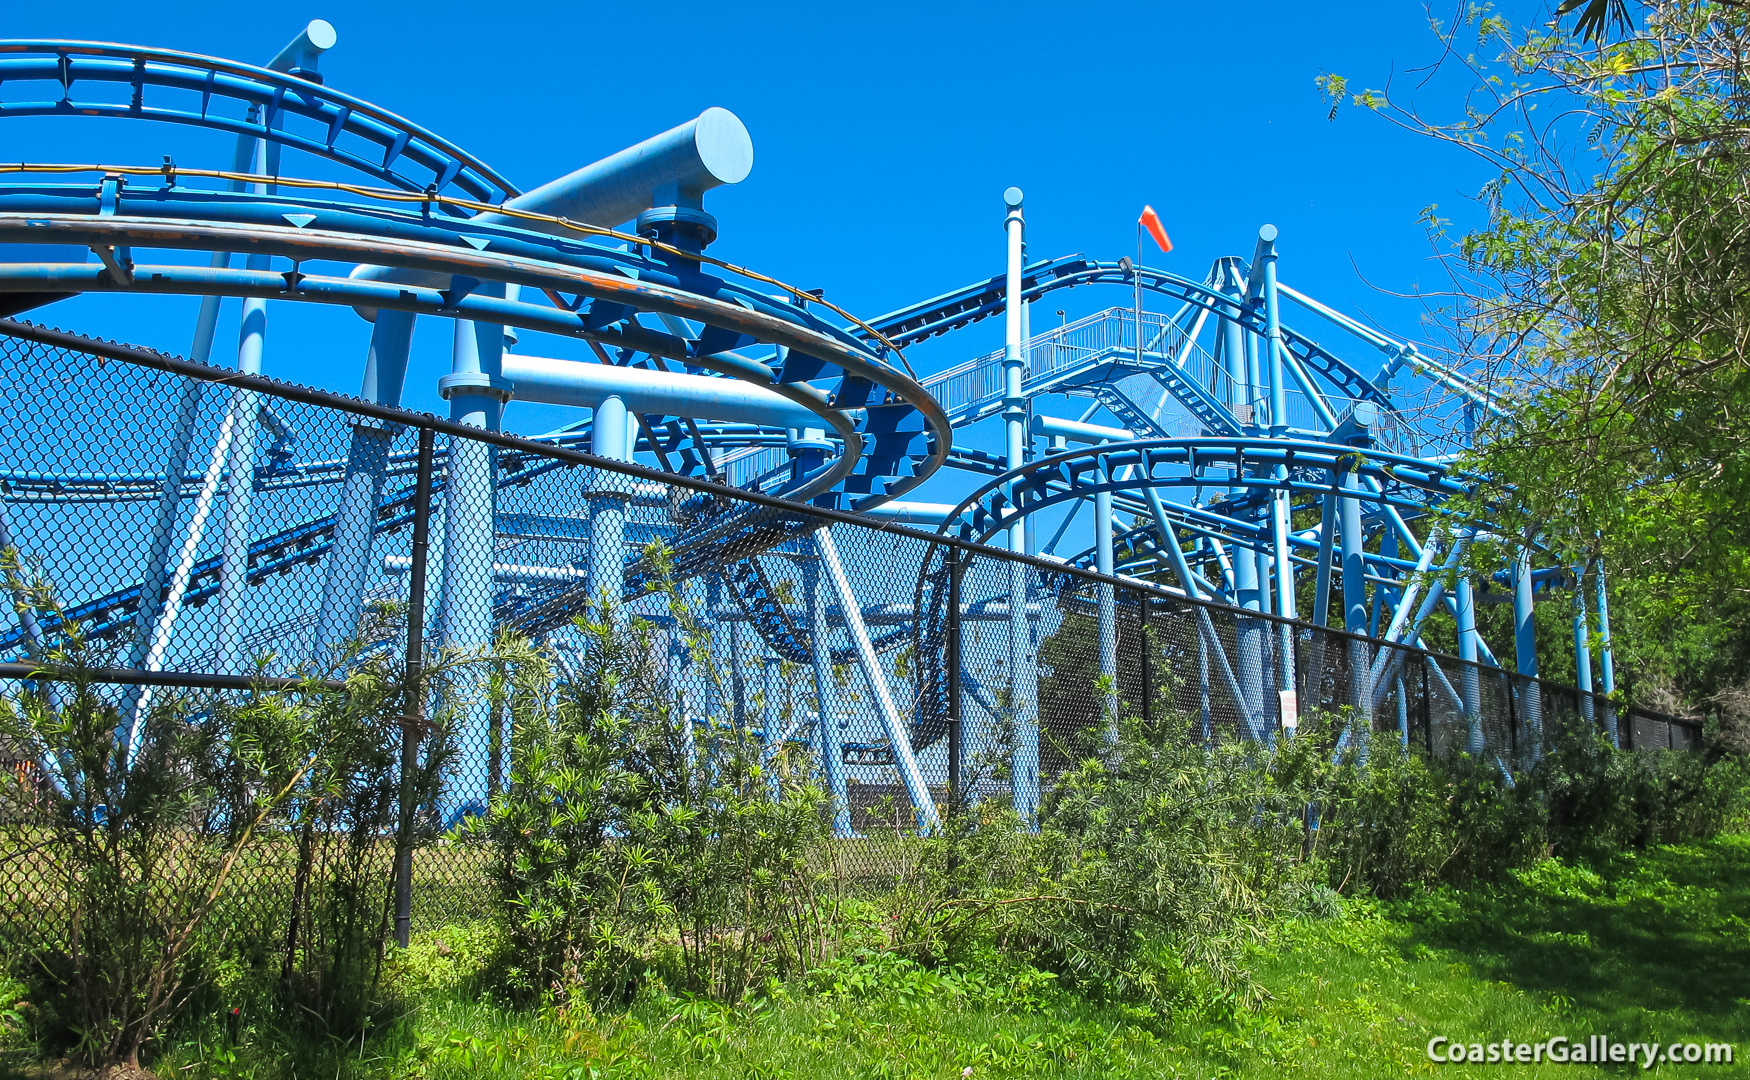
<point>209,536</point>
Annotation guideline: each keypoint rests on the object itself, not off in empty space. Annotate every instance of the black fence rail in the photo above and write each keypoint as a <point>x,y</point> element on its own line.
<point>206,536</point>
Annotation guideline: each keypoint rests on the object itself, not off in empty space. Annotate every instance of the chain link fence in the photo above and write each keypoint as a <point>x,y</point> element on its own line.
<point>210,536</point>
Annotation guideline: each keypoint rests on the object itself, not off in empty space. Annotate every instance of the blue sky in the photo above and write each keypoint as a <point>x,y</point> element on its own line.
<point>884,136</point>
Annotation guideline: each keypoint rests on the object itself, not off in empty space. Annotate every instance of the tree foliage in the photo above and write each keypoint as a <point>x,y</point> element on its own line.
<point>1607,303</point>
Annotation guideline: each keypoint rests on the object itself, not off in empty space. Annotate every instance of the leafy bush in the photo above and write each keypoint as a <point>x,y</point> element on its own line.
<point>340,825</point>
<point>635,839</point>
<point>1601,799</point>
<point>147,812</point>
<point>1152,865</point>
<point>1391,820</point>
<point>1376,814</point>
<point>136,837</point>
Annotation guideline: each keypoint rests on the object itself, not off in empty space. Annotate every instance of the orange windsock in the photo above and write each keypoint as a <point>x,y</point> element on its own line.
<point>1152,222</point>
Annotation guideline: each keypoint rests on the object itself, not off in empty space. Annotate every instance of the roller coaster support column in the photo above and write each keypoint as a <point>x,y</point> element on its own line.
<point>1322,590</point>
<point>240,490</point>
<point>1467,651</point>
<point>1024,682</point>
<point>1208,642</point>
<point>829,742</point>
<point>1264,263</point>
<point>1248,634</point>
<point>152,587</point>
<point>898,736</point>
<point>1108,616</point>
<point>1279,563</point>
<point>367,465</point>
<point>299,55</point>
<point>737,664</point>
<point>476,391</point>
<point>607,506</point>
<point>1525,652</point>
<point>1582,645</point>
<point>1606,662</point>
<point>1355,591</point>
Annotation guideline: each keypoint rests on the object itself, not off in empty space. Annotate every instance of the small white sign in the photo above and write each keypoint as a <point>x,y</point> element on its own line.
<point>1289,703</point>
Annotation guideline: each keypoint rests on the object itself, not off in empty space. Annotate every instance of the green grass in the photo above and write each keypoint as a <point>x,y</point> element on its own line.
<point>1649,946</point>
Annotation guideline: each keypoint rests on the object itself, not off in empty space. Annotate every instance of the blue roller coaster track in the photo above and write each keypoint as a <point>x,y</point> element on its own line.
<point>1221,449</point>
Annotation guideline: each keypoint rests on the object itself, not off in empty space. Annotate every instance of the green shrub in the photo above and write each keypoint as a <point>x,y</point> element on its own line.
<point>340,826</point>
<point>1151,866</point>
<point>139,830</point>
<point>133,843</point>
<point>1390,819</point>
<point>634,839</point>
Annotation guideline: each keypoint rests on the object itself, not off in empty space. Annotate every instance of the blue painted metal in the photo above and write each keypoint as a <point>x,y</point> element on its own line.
<point>1606,661</point>
<point>763,392</point>
<point>1525,651</point>
<point>337,125</point>
<point>1582,644</point>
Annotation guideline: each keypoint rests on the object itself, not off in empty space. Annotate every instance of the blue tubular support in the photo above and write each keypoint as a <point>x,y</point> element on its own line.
<point>1525,652</point>
<point>1285,602</point>
<point>302,53</point>
<point>1205,713</point>
<point>1239,359</point>
<point>1249,640</point>
<point>1208,641</point>
<point>829,745</point>
<point>1023,677</point>
<point>1407,629</point>
<point>662,393</point>
<point>169,510</point>
<point>1355,593</point>
<point>680,663</point>
<point>1403,714</point>
<point>1582,645</point>
<point>367,463</point>
<point>898,736</point>
<point>1108,616</point>
<point>1321,612</point>
<point>1327,541</point>
<point>1265,256</point>
<point>1471,675</point>
<point>252,340</point>
<point>1388,547</point>
<point>607,504</point>
<point>677,166</point>
<point>714,601</point>
<point>476,392</point>
<point>240,490</point>
<point>1606,662</point>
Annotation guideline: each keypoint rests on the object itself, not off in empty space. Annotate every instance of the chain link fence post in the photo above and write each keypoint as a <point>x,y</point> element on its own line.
<point>413,720</point>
